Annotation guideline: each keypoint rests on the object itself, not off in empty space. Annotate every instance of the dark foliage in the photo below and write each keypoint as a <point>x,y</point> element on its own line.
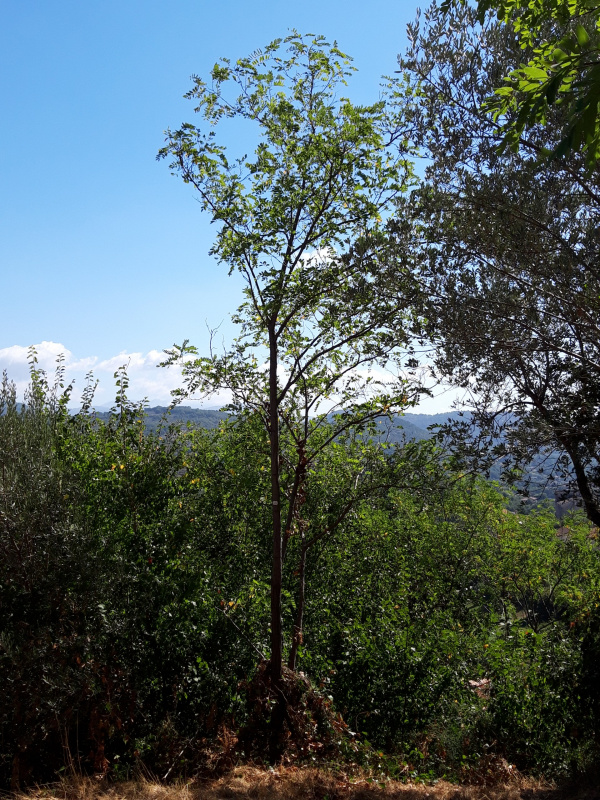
<point>508,247</point>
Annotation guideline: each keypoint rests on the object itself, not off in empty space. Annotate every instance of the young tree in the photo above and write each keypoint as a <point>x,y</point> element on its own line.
<point>302,222</point>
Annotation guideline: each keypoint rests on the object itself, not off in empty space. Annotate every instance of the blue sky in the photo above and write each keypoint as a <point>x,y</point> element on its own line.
<point>103,253</point>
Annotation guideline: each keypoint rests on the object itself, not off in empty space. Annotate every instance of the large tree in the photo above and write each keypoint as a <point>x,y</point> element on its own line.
<point>512,249</point>
<point>301,221</point>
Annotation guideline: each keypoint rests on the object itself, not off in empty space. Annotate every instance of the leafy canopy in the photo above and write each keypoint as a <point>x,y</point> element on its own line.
<point>510,252</point>
<point>301,219</point>
<point>562,38</point>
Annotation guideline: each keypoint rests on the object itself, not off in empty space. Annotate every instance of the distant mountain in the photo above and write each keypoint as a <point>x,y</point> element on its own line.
<point>400,429</point>
<point>425,420</point>
<point>408,426</point>
<point>200,417</point>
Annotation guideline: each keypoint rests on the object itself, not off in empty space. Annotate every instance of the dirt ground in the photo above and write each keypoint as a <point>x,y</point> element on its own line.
<point>293,783</point>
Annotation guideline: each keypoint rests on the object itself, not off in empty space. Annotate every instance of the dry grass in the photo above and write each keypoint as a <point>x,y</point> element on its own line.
<point>293,783</point>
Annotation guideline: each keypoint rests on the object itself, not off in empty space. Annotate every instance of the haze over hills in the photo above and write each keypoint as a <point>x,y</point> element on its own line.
<point>408,426</point>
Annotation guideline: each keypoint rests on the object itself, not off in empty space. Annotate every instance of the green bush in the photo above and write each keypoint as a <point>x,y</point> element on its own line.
<point>134,599</point>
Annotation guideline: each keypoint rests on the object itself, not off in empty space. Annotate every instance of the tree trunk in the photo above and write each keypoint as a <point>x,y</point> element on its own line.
<point>569,444</point>
<point>583,484</point>
<point>278,713</point>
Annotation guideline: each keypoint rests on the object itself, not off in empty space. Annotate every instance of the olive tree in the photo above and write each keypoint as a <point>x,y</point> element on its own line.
<point>560,40</point>
<point>510,250</point>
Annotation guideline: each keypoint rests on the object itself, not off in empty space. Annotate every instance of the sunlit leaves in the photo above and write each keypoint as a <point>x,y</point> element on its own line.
<point>562,40</point>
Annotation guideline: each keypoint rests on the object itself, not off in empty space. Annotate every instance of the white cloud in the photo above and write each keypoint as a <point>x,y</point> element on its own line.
<point>14,359</point>
<point>146,379</point>
<point>321,255</point>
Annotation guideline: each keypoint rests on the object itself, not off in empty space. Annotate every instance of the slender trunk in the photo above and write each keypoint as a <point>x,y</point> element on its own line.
<point>569,443</point>
<point>297,639</point>
<point>276,633</point>
<point>278,712</point>
<point>583,484</point>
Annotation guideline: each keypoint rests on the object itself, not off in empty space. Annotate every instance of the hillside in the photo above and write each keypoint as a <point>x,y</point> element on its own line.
<point>200,417</point>
<point>408,426</point>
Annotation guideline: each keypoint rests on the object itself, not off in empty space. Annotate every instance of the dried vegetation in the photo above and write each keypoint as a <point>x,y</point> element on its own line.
<point>293,783</point>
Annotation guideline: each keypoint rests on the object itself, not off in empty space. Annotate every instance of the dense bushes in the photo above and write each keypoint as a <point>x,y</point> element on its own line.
<point>134,572</point>
<point>455,629</point>
<point>110,631</point>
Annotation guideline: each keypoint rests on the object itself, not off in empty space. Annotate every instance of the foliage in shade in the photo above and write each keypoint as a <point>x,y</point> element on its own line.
<point>509,252</point>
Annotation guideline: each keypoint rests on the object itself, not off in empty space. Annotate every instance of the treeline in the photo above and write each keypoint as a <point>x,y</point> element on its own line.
<point>135,604</point>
